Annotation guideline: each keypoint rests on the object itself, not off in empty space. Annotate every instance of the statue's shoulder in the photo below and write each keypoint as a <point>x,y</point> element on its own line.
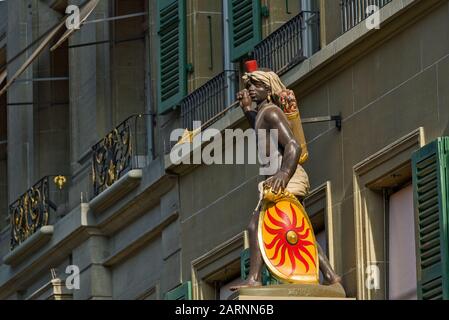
<point>272,111</point>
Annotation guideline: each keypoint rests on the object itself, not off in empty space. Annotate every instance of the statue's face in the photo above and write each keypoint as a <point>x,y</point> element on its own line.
<point>258,91</point>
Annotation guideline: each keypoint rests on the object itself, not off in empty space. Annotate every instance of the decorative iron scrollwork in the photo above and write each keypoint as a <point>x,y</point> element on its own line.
<point>121,150</point>
<point>112,157</point>
<point>30,212</point>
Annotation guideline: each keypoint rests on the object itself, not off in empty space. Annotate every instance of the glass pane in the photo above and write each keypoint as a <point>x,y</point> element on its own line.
<point>402,255</point>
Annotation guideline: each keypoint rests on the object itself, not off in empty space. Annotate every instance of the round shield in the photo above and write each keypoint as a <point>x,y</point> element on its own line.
<point>287,242</point>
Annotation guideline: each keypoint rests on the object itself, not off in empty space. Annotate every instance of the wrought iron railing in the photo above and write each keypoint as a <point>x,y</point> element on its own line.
<point>32,210</point>
<point>355,11</point>
<point>121,150</point>
<point>210,99</point>
<point>285,47</point>
<point>207,104</point>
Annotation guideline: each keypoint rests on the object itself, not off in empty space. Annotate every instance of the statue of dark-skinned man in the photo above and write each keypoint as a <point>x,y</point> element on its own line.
<point>260,87</point>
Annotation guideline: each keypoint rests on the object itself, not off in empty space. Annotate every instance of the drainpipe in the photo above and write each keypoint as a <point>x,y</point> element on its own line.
<point>148,92</point>
<point>228,65</point>
<point>306,7</point>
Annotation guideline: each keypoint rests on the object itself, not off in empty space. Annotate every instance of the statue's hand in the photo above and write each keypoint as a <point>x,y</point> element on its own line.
<point>245,99</point>
<point>278,182</point>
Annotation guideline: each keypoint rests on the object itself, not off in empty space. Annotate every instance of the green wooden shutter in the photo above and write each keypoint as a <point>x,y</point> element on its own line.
<point>430,181</point>
<point>183,292</point>
<point>245,28</point>
<point>244,264</point>
<point>267,277</point>
<point>172,84</point>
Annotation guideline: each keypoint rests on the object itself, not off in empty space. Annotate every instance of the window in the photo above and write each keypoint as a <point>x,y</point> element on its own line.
<point>217,270</point>
<point>388,169</point>
<point>401,246</point>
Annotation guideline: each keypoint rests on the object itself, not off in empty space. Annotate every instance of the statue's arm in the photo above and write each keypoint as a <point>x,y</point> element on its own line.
<point>246,105</point>
<point>250,115</point>
<point>276,119</point>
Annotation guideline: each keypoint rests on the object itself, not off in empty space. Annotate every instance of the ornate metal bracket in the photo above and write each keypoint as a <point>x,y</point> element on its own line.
<point>337,119</point>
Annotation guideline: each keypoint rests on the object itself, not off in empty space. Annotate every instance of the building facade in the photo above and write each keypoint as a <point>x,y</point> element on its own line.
<point>87,185</point>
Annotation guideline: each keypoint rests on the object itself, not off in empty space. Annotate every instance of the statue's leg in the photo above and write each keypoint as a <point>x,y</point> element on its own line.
<point>325,267</point>
<point>256,262</point>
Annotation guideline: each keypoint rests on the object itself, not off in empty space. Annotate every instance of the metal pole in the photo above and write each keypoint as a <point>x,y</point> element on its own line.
<point>228,65</point>
<point>148,93</point>
<point>306,7</point>
<point>44,79</point>
<point>105,41</point>
<point>127,16</point>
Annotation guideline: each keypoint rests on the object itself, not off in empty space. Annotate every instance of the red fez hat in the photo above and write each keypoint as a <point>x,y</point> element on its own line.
<point>251,66</point>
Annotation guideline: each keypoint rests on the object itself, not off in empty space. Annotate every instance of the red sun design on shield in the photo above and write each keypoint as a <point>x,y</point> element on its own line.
<point>290,239</point>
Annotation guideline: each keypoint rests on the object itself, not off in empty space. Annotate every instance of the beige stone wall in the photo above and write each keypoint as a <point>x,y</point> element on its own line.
<point>279,13</point>
<point>331,25</point>
<point>21,133</point>
<point>128,61</point>
<point>219,208</point>
<point>51,99</point>
<point>204,22</point>
<point>90,97</point>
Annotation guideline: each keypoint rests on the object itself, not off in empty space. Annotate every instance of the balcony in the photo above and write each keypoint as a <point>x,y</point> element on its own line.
<point>207,103</point>
<point>292,43</point>
<point>123,149</point>
<point>210,99</point>
<point>37,208</point>
<point>354,12</point>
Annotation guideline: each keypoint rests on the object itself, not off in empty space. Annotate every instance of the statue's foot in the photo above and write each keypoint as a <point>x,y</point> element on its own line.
<point>334,279</point>
<point>246,284</point>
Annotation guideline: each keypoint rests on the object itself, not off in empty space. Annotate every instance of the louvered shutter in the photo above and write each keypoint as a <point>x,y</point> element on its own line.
<point>183,292</point>
<point>267,277</point>
<point>244,264</point>
<point>172,53</point>
<point>244,26</point>
<point>430,181</point>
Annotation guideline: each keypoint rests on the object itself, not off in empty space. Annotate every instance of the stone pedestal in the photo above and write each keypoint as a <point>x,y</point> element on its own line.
<point>291,292</point>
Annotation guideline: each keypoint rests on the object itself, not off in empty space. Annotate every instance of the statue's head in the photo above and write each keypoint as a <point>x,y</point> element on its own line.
<point>258,91</point>
<point>262,84</point>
